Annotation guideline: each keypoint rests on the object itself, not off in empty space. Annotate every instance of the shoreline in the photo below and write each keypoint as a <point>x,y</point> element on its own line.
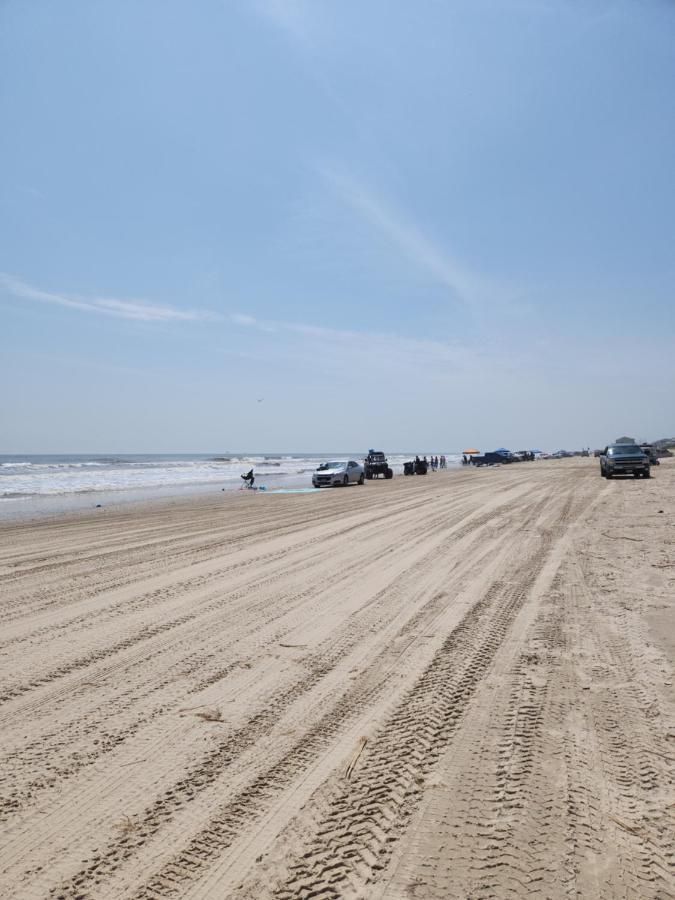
<point>61,506</point>
<point>29,506</point>
<point>46,506</point>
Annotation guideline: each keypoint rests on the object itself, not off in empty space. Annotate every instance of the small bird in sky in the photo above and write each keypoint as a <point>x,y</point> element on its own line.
<point>260,399</point>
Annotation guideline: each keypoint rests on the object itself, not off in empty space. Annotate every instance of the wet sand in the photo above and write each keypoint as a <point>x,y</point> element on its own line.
<point>451,686</point>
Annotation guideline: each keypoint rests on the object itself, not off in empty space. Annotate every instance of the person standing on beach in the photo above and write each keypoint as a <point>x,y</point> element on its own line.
<point>248,478</point>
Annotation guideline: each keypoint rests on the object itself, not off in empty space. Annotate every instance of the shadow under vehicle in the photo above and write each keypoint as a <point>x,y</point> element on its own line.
<point>624,459</point>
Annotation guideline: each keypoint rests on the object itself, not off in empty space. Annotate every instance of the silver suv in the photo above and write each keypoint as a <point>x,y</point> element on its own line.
<point>342,472</point>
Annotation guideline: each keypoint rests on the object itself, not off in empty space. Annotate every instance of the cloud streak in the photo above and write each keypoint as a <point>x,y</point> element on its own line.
<point>466,286</point>
<point>291,16</point>
<point>137,310</point>
<point>352,352</point>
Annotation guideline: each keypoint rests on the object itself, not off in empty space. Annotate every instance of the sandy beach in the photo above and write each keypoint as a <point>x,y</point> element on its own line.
<point>451,686</point>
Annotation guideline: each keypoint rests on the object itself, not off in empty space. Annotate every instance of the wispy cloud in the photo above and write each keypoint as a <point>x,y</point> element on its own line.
<point>31,191</point>
<point>242,319</point>
<point>139,310</point>
<point>353,352</point>
<point>408,238</point>
<point>251,321</point>
<point>291,16</point>
<point>303,23</point>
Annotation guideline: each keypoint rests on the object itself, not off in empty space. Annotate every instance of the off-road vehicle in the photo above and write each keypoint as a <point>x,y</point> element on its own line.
<point>375,464</point>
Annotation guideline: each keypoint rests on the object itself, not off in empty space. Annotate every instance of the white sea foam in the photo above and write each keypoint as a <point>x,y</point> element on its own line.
<point>43,477</point>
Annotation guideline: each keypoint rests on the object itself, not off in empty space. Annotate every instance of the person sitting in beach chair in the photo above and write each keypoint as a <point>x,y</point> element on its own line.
<point>248,478</point>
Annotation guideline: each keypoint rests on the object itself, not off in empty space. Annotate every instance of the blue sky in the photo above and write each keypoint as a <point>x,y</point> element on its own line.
<point>411,225</point>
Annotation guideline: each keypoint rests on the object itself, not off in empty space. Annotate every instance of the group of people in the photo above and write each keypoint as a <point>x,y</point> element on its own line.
<point>436,462</point>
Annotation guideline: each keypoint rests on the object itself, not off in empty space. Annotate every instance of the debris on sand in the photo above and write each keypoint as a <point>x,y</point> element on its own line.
<point>355,758</point>
<point>210,715</point>
<point>127,825</point>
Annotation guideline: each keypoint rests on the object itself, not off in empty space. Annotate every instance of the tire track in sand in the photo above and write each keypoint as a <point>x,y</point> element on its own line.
<point>202,776</point>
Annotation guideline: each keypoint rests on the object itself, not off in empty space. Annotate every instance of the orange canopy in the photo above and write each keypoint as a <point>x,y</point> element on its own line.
<point>471,451</point>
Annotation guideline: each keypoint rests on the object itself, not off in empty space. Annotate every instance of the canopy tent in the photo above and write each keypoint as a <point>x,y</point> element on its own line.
<point>471,452</point>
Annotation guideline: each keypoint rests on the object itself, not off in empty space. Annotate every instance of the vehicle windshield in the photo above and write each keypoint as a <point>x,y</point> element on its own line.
<point>624,450</point>
<point>330,465</point>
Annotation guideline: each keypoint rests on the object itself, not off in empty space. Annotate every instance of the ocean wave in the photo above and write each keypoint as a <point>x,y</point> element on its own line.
<point>43,476</point>
<point>54,465</point>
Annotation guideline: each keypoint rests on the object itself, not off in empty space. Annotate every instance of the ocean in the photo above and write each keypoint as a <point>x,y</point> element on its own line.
<point>35,484</point>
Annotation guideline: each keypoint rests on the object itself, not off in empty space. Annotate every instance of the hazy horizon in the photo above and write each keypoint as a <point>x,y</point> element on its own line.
<point>274,451</point>
<point>336,224</point>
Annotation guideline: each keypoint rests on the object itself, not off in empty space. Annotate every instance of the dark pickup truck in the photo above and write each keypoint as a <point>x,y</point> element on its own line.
<point>624,459</point>
<point>490,459</point>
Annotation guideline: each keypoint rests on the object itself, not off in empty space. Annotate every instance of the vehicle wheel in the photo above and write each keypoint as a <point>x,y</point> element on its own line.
<point>608,474</point>
<point>389,474</point>
<point>345,481</point>
<point>647,474</point>
<point>361,479</point>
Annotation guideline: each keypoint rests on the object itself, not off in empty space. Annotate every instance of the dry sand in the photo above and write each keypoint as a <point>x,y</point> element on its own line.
<point>451,686</point>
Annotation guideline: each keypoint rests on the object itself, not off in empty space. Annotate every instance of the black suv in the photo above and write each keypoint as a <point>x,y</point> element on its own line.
<point>624,459</point>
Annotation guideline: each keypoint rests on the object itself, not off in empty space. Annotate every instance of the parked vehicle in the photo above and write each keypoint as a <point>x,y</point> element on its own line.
<point>338,473</point>
<point>375,464</point>
<point>651,453</point>
<point>491,459</point>
<point>415,467</point>
<point>624,459</point>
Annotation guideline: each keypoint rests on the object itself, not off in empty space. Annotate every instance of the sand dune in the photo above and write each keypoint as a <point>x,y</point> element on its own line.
<point>451,686</point>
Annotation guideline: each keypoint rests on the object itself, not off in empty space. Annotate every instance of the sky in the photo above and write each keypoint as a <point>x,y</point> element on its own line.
<point>334,224</point>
